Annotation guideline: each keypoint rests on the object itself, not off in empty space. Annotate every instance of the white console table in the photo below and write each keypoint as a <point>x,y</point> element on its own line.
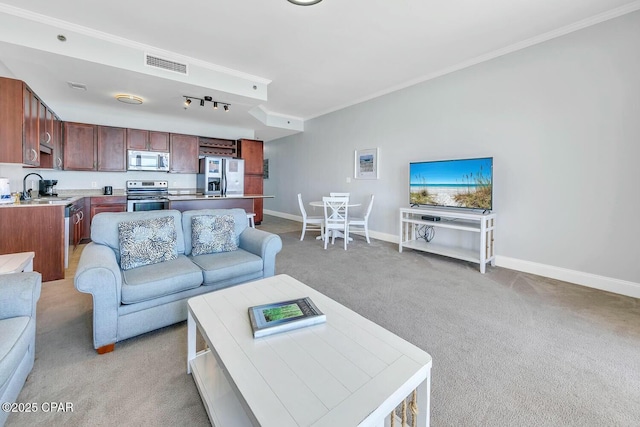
<point>411,219</point>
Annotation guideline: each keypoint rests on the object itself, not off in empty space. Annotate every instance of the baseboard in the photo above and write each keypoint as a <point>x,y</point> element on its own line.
<point>595,281</point>
<point>609,284</point>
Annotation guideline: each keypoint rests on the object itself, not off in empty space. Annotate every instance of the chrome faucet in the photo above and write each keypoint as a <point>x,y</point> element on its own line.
<point>27,195</point>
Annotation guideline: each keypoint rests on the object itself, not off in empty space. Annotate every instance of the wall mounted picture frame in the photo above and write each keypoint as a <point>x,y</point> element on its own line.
<point>366,164</point>
<point>265,169</point>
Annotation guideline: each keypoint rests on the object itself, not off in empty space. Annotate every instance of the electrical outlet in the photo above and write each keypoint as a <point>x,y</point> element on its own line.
<point>348,180</point>
<point>94,184</point>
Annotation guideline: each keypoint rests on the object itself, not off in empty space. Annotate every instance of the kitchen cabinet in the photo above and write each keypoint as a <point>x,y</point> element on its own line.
<point>253,184</point>
<point>12,117</point>
<point>31,143</point>
<point>111,149</point>
<point>27,126</point>
<point>146,140</point>
<point>38,229</point>
<point>57,155</point>
<point>183,154</point>
<point>45,125</point>
<point>107,204</point>
<point>51,151</point>
<point>79,221</point>
<point>94,148</point>
<point>252,151</point>
<point>79,146</point>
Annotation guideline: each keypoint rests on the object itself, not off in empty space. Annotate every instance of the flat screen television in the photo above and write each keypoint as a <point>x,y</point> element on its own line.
<point>460,183</point>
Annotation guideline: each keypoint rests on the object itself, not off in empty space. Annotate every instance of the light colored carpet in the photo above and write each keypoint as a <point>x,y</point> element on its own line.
<point>509,349</point>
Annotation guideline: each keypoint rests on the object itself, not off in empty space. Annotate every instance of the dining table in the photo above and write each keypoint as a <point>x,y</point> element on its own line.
<point>320,204</point>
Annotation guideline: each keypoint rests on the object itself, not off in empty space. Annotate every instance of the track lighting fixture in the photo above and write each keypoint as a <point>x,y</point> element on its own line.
<point>203,100</point>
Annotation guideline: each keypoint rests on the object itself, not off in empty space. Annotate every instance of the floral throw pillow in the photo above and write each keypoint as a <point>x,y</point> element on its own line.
<point>212,233</point>
<point>147,241</point>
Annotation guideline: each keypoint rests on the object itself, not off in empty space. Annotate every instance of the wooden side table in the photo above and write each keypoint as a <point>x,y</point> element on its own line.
<point>16,263</point>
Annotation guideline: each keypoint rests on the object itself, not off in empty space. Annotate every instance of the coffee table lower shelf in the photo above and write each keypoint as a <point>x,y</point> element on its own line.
<point>220,401</point>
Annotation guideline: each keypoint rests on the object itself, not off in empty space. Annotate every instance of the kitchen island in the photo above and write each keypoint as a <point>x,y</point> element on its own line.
<point>36,226</point>
<point>248,202</point>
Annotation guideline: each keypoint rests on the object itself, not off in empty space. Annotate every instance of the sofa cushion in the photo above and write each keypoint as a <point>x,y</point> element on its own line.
<point>14,342</point>
<point>212,233</point>
<point>147,241</point>
<point>157,280</point>
<point>104,227</point>
<point>239,219</point>
<point>227,265</point>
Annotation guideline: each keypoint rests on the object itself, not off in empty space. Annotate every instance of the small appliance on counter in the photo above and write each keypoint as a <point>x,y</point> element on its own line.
<point>108,190</point>
<point>5,191</point>
<point>47,188</point>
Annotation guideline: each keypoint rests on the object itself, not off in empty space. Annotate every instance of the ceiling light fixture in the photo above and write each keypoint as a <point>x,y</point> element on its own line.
<point>129,99</point>
<point>304,2</point>
<point>204,100</point>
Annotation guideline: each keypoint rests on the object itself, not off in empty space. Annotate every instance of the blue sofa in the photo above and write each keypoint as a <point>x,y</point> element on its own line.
<point>137,300</point>
<point>19,294</point>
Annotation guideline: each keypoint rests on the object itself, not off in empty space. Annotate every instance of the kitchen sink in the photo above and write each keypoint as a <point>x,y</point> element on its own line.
<point>46,201</point>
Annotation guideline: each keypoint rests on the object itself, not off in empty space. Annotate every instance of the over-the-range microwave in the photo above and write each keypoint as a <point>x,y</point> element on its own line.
<point>147,161</point>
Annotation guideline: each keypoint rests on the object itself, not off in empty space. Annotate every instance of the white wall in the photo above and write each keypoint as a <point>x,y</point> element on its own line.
<point>562,121</point>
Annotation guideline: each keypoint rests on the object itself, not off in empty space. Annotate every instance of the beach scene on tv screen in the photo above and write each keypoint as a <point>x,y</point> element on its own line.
<point>453,183</point>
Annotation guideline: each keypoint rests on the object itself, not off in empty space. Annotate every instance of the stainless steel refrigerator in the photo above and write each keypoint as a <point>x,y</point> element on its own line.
<point>221,176</point>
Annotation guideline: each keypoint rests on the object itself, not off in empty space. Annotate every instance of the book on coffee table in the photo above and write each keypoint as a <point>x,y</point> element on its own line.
<point>283,316</point>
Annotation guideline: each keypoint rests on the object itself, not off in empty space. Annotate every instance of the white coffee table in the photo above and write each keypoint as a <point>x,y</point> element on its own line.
<point>345,372</point>
<point>15,263</point>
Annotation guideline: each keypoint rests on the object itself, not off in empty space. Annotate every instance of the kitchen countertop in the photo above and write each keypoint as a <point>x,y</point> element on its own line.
<point>211,197</point>
<point>66,199</point>
<point>43,201</point>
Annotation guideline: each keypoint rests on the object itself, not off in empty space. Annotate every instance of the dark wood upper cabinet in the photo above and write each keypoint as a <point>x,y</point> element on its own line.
<point>90,147</point>
<point>111,149</point>
<point>184,153</point>
<point>159,141</point>
<point>58,156</point>
<point>147,140</point>
<point>79,146</point>
<point>137,139</point>
<point>251,151</point>
<point>31,143</point>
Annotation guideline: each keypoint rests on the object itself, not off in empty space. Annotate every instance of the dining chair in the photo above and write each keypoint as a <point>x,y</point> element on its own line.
<point>362,222</point>
<point>310,222</point>
<point>339,195</point>
<point>336,214</point>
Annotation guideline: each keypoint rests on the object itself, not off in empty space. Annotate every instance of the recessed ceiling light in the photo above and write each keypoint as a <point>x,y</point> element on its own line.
<point>77,86</point>
<point>129,99</point>
<point>304,2</point>
<point>62,37</point>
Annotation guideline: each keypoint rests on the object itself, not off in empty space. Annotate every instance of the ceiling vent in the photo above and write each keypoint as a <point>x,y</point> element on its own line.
<point>165,64</point>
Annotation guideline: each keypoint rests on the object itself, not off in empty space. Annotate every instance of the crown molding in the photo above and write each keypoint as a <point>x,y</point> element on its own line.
<point>588,22</point>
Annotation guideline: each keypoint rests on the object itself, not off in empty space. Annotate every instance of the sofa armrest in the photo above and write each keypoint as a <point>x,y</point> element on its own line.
<point>265,245</point>
<point>99,274</point>
<point>19,294</point>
